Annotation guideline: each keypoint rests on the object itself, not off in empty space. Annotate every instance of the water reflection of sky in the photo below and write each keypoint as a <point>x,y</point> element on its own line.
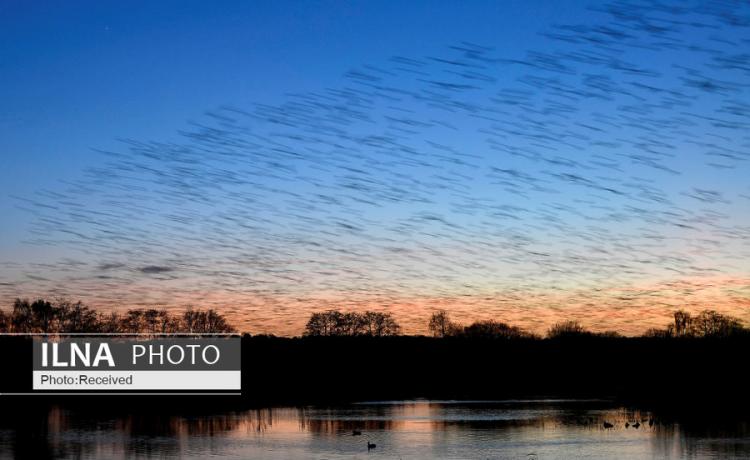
<point>414,429</point>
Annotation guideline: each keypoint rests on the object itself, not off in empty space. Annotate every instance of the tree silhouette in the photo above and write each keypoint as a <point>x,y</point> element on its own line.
<point>495,330</point>
<point>198,321</point>
<point>337,323</point>
<point>709,323</point>
<point>567,329</point>
<point>440,325</point>
<point>21,317</point>
<point>682,323</point>
<point>46,317</point>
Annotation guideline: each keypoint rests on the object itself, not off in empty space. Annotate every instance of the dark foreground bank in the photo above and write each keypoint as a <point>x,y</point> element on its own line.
<point>704,373</point>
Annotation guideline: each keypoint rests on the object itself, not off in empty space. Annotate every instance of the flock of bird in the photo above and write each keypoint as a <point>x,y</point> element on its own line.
<point>602,177</point>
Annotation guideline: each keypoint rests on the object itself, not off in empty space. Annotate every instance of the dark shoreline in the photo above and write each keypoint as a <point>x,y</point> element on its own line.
<point>706,374</point>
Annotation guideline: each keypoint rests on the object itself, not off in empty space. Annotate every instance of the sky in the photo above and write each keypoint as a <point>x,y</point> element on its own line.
<point>528,162</point>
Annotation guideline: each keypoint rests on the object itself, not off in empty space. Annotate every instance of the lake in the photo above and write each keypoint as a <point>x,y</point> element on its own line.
<point>538,429</point>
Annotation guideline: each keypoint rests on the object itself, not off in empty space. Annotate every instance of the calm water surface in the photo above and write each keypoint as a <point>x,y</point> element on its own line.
<point>400,429</point>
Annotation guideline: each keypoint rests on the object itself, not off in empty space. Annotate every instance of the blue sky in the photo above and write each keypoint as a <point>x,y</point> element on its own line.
<point>78,76</point>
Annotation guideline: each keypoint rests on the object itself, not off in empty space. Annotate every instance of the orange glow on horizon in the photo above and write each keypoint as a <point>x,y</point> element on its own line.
<point>629,310</point>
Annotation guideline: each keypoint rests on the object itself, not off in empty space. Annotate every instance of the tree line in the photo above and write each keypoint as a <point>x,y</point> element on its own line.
<point>337,323</point>
<point>63,316</point>
<point>441,325</point>
<point>707,323</point>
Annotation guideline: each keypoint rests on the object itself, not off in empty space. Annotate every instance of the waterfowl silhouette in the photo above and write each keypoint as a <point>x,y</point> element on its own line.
<point>370,445</point>
<point>356,433</point>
